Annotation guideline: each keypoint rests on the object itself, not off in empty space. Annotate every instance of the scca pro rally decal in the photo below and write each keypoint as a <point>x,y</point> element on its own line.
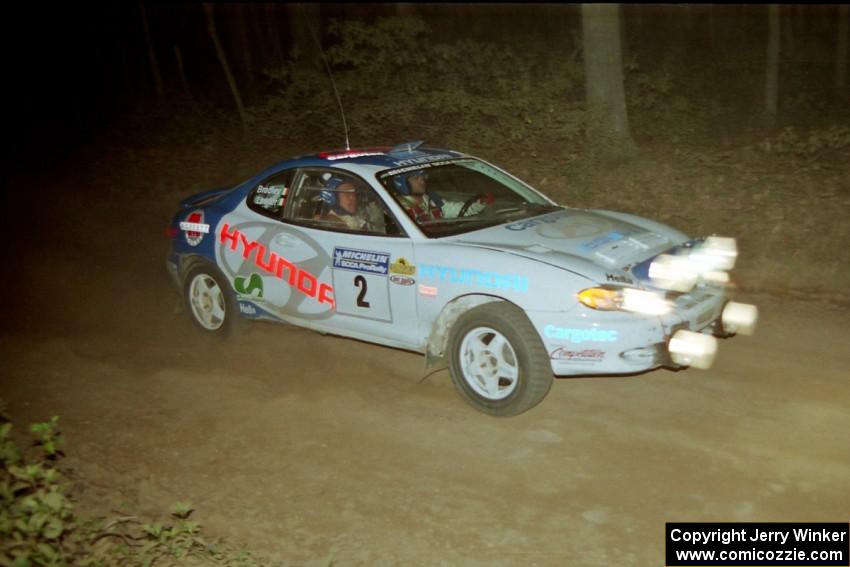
<point>361,261</point>
<point>194,228</point>
<point>295,276</point>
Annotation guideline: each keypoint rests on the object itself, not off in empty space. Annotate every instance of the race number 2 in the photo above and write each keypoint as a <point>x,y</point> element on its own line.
<point>360,282</point>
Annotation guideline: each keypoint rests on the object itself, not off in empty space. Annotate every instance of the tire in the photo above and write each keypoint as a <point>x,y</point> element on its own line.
<point>497,360</point>
<point>210,301</point>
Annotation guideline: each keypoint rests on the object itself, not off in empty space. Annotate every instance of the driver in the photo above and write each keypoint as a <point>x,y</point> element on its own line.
<point>422,205</point>
<point>342,206</point>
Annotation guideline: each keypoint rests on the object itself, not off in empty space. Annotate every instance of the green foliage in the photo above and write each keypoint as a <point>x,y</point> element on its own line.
<point>38,525</point>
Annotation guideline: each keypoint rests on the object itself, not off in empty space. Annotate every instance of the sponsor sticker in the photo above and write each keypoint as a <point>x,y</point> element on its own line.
<point>490,280</point>
<point>580,335</point>
<point>427,290</point>
<point>255,283</point>
<point>278,266</point>
<point>587,355</point>
<point>194,228</point>
<point>402,280</point>
<point>402,266</point>
<point>247,309</point>
<point>524,225</point>
<point>350,154</point>
<point>619,279</point>
<point>366,261</point>
<point>423,159</point>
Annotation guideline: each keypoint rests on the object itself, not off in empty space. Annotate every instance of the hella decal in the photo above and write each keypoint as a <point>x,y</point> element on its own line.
<point>619,279</point>
<point>302,280</point>
<point>247,309</point>
<point>194,228</point>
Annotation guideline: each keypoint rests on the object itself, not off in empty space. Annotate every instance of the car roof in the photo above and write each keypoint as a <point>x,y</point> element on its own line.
<point>406,154</point>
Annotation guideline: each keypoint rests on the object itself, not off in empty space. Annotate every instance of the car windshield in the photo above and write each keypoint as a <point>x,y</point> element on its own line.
<point>456,196</point>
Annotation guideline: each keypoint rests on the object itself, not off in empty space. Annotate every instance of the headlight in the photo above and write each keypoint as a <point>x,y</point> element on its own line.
<point>625,299</point>
<point>602,298</point>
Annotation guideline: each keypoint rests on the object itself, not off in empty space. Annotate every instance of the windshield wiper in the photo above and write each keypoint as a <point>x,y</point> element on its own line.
<point>525,207</point>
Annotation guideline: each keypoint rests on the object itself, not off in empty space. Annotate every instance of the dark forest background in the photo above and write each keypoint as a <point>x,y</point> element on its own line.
<point>737,115</point>
<point>81,69</point>
<point>716,119</point>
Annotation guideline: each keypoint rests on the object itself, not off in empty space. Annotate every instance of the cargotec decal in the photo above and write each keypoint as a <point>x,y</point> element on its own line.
<point>302,280</point>
<point>579,335</point>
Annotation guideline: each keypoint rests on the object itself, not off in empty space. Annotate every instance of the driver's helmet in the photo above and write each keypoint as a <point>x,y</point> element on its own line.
<point>329,195</point>
<point>403,187</point>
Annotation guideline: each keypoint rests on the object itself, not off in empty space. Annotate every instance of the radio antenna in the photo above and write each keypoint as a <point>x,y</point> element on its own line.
<point>333,81</point>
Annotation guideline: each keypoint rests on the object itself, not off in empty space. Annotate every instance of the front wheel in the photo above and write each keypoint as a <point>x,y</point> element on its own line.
<point>497,360</point>
<point>210,301</point>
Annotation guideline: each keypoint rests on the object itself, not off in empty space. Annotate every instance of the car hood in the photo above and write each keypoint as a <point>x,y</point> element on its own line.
<point>601,245</point>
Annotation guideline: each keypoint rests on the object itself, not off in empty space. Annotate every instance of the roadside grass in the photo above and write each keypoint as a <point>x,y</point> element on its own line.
<point>41,526</point>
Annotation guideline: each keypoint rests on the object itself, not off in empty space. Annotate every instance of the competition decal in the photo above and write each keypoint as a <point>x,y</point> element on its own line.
<point>365,261</point>
<point>427,291</point>
<point>194,228</point>
<point>492,280</point>
<point>402,266</point>
<point>402,280</point>
<point>298,278</point>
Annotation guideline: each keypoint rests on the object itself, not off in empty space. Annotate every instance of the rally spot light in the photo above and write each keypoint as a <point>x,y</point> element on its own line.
<point>676,273</point>
<point>709,260</point>
<point>693,349</point>
<point>739,318</point>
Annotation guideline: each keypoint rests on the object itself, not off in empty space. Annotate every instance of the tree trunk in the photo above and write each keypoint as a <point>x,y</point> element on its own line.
<point>274,35</point>
<point>243,49</point>
<point>305,30</point>
<point>771,90</point>
<point>186,90</point>
<point>157,78</point>
<point>608,122</point>
<point>234,88</point>
<point>841,50</point>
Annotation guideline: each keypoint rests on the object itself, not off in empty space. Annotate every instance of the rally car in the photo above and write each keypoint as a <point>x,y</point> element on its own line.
<point>442,253</point>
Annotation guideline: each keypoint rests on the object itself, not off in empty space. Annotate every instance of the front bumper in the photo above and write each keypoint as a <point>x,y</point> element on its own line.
<point>589,342</point>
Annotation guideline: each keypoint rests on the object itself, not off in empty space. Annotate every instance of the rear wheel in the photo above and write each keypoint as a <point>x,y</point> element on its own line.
<point>210,302</point>
<point>497,360</point>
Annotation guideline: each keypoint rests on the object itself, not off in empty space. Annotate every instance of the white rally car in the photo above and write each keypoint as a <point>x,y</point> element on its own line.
<point>444,254</point>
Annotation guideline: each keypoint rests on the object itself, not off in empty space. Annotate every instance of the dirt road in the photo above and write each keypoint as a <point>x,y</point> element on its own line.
<point>303,447</point>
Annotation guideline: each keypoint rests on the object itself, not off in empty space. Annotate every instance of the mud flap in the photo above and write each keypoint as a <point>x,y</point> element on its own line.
<point>433,364</point>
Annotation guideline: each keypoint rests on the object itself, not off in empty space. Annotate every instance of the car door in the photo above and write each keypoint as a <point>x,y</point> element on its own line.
<point>369,267</point>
